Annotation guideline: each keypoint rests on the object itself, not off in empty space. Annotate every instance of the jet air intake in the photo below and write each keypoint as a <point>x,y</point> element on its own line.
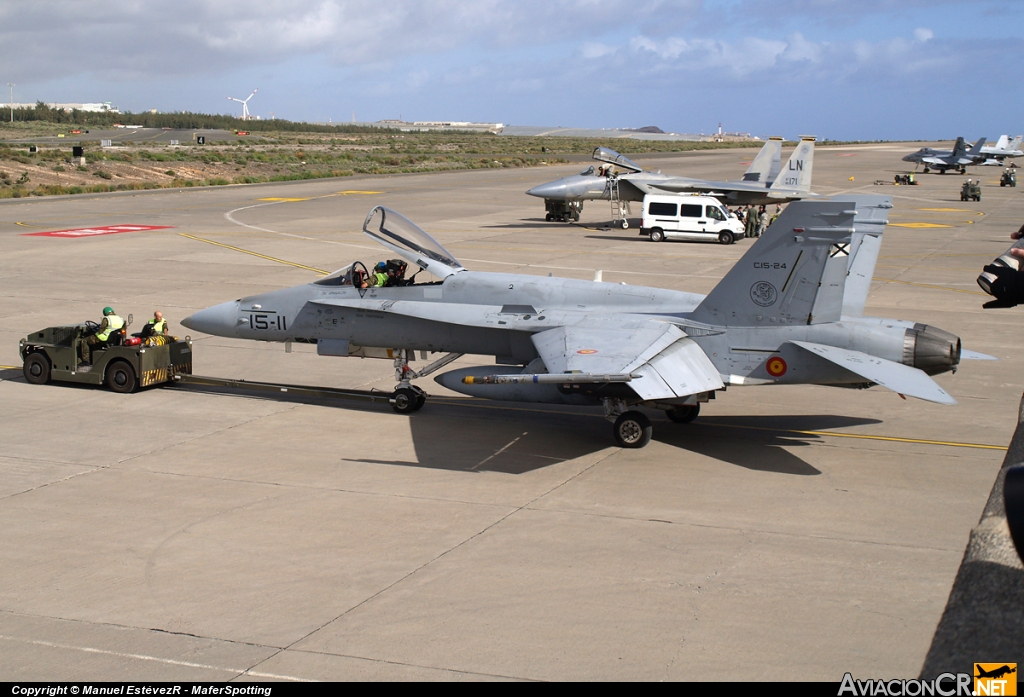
<point>931,349</point>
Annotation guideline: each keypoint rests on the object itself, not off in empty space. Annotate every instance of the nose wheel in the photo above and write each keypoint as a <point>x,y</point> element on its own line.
<point>406,400</point>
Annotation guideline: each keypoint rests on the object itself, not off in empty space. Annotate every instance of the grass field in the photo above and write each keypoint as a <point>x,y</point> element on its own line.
<point>278,156</point>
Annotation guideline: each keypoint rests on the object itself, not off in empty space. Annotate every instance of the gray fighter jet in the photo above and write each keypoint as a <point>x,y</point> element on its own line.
<point>622,179</point>
<point>959,158</point>
<point>1004,148</point>
<point>789,312</point>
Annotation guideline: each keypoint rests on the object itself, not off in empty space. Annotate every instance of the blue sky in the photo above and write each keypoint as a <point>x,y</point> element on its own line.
<point>872,69</point>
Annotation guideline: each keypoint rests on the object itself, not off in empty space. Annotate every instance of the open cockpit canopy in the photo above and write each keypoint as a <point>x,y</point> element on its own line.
<point>404,237</point>
<point>602,154</point>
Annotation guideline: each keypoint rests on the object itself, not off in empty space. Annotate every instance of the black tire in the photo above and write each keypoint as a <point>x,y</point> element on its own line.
<point>121,377</point>
<point>633,430</point>
<point>421,399</point>
<point>404,400</point>
<point>657,235</point>
<point>549,217</point>
<point>37,368</point>
<point>725,238</point>
<point>684,414</point>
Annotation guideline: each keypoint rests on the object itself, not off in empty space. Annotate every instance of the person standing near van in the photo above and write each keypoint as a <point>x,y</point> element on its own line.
<point>752,222</point>
<point>762,220</point>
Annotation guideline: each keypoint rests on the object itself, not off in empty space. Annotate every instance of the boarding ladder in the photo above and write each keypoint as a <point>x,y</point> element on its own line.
<point>620,208</point>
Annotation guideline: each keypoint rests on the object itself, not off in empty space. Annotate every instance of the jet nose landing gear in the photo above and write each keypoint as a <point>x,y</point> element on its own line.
<point>407,397</point>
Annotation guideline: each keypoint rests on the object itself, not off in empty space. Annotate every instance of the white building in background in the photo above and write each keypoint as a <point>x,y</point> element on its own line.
<point>104,107</point>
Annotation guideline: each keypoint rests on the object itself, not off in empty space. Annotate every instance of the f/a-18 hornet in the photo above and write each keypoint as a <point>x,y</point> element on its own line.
<point>789,312</point>
<point>959,158</point>
<point>621,179</point>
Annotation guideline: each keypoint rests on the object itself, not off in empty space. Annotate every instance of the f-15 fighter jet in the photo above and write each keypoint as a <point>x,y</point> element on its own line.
<point>765,181</point>
<point>789,312</point>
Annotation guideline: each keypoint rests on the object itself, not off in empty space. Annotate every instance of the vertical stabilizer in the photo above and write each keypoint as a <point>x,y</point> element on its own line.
<point>865,243</point>
<point>796,175</point>
<point>976,150</point>
<point>1003,142</point>
<point>777,281</point>
<point>766,166</point>
<point>959,148</point>
<point>1014,145</point>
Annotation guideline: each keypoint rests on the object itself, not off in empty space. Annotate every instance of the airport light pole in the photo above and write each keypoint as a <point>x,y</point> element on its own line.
<point>11,85</point>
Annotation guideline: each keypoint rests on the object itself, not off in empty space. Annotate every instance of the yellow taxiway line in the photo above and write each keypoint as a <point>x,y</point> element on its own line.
<point>256,254</point>
<point>928,285</point>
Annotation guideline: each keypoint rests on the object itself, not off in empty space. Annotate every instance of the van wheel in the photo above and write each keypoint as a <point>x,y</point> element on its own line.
<point>121,377</point>
<point>725,238</point>
<point>37,368</point>
<point>657,235</point>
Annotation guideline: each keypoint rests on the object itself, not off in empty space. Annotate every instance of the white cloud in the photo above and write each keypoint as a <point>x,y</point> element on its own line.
<point>922,34</point>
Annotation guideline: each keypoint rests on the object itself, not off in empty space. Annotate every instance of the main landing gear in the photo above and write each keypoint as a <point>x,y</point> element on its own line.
<point>632,429</point>
<point>407,397</point>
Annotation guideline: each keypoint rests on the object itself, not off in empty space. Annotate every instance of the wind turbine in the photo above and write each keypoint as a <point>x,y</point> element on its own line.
<point>245,104</point>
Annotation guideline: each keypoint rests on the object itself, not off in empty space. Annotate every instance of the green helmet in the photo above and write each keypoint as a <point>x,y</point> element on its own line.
<point>108,310</point>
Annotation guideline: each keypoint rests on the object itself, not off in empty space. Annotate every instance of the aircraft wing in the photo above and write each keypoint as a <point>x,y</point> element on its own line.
<point>665,362</point>
<point>899,378</point>
<point>935,160</point>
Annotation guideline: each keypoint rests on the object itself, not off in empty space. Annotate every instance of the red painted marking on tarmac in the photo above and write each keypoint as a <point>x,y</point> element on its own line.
<point>94,231</point>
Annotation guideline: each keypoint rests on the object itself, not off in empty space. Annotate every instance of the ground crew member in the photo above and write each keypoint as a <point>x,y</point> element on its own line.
<point>158,323</point>
<point>752,221</point>
<point>110,324</point>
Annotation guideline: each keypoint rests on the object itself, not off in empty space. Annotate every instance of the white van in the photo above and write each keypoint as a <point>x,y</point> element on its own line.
<point>668,217</point>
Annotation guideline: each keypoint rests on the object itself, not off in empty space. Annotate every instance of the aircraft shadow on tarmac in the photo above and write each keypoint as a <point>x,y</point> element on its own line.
<point>459,434</point>
<point>465,435</point>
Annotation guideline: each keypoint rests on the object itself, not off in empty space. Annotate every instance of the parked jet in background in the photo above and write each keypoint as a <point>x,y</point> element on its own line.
<point>789,312</point>
<point>1003,149</point>
<point>620,179</point>
<point>959,158</point>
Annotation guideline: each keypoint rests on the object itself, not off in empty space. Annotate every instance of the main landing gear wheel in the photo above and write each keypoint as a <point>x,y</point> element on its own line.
<point>406,400</point>
<point>37,369</point>
<point>633,430</point>
<point>684,414</point>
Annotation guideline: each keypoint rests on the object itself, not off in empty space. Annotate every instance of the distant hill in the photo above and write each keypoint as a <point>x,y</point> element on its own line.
<point>645,129</point>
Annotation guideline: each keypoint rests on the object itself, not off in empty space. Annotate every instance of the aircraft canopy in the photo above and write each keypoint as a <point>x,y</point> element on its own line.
<point>602,154</point>
<point>396,232</point>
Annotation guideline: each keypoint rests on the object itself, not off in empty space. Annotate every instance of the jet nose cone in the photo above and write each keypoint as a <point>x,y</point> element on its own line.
<point>220,320</point>
<point>551,190</point>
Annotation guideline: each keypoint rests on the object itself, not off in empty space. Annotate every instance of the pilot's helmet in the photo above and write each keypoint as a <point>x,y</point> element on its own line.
<point>381,267</point>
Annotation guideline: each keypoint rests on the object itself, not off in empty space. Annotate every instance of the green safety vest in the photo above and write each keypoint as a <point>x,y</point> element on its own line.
<point>379,279</point>
<point>113,323</point>
<point>158,327</point>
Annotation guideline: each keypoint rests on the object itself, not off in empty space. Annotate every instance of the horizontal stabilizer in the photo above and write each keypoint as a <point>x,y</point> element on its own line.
<point>897,377</point>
